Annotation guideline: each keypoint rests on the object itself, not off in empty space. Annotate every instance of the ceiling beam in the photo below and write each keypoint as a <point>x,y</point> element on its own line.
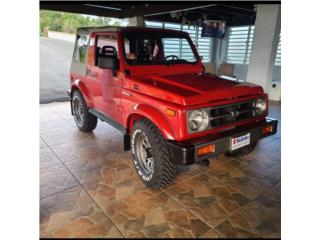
<point>236,14</point>
<point>210,15</point>
<point>81,9</point>
<point>241,22</point>
<point>242,8</point>
<point>158,9</point>
<point>228,12</point>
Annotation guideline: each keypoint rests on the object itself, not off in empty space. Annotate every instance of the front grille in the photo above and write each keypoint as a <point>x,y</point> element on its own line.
<point>231,113</point>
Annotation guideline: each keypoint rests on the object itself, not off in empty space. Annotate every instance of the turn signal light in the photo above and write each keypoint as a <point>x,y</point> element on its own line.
<point>206,150</point>
<point>170,112</point>
<point>267,129</point>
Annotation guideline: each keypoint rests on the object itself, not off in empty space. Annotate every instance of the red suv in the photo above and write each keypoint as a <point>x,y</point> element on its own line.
<point>168,108</point>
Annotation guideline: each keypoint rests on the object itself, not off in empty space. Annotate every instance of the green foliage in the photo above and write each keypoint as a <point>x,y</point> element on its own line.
<point>68,22</point>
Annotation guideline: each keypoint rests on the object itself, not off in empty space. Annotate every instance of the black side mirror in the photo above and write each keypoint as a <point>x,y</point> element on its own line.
<point>109,63</point>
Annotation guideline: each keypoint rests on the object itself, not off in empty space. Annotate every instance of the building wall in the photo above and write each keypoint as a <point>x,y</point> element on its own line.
<point>241,71</point>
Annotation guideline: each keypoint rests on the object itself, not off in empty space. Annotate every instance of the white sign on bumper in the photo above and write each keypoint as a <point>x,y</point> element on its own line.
<point>240,142</point>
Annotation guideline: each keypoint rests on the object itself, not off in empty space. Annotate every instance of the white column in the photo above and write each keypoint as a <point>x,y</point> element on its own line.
<point>264,45</point>
<point>217,53</point>
<point>136,21</point>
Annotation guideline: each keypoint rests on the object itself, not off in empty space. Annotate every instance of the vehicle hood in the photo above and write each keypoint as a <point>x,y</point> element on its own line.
<point>192,88</point>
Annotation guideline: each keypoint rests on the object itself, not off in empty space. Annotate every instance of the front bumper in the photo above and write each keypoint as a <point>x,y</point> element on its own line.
<point>185,152</point>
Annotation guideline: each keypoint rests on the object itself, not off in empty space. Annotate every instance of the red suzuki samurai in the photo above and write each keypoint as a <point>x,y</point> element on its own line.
<point>168,108</point>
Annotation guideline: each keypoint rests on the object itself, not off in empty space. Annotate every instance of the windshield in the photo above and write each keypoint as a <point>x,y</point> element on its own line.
<point>150,48</point>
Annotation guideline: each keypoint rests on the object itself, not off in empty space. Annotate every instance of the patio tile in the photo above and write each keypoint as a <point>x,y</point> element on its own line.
<point>208,198</point>
<point>47,157</point>
<point>55,179</point>
<point>150,214</point>
<point>73,214</point>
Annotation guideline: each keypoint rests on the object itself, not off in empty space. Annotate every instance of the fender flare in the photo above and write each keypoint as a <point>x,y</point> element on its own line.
<point>78,84</point>
<point>156,117</point>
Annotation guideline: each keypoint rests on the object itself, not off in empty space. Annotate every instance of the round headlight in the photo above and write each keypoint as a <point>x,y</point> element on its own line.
<point>198,120</point>
<point>261,106</point>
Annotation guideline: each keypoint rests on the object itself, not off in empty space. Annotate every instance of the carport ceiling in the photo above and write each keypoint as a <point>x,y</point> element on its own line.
<point>235,14</point>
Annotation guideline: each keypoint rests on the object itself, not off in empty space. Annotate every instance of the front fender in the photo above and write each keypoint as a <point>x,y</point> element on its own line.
<point>78,84</point>
<point>158,118</point>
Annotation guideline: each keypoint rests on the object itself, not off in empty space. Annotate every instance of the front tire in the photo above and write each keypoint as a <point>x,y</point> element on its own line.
<point>151,156</point>
<point>84,120</point>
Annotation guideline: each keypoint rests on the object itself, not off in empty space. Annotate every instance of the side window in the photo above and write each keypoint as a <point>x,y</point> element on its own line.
<point>106,45</point>
<point>80,49</point>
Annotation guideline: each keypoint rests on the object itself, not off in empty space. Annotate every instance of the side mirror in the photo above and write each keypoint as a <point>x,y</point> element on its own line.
<point>109,63</point>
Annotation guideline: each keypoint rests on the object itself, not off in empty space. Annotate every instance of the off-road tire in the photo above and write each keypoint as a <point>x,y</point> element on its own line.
<point>164,169</point>
<point>89,121</point>
<point>242,151</point>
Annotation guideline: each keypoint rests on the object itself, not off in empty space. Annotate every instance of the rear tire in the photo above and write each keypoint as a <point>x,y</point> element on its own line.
<point>242,151</point>
<point>84,120</point>
<point>151,155</point>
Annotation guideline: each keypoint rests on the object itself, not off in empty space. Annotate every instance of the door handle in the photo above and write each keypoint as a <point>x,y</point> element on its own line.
<point>135,86</point>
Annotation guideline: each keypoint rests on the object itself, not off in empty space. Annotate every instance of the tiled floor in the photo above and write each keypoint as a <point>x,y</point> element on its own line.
<point>89,188</point>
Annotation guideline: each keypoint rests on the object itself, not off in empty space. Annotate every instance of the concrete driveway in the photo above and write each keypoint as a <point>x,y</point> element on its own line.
<point>55,60</point>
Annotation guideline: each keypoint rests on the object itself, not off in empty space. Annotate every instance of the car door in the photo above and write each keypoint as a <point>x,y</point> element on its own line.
<point>105,87</point>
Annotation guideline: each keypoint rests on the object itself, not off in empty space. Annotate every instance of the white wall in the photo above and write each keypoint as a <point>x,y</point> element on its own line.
<point>241,71</point>
<point>264,45</point>
<point>276,74</point>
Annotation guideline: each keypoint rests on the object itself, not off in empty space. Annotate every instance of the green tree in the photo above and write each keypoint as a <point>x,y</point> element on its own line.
<point>68,22</point>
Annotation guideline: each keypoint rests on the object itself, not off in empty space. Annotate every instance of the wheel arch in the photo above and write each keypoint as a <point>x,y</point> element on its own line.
<point>144,111</point>
<point>82,88</point>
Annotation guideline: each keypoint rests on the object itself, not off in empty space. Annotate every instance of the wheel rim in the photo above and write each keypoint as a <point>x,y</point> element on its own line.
<point>78,111</point>
<point>144,154</point>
